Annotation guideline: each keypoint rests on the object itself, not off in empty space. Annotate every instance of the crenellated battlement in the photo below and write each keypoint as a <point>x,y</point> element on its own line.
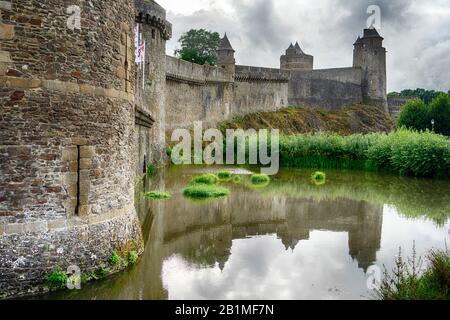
<point>151,13</point>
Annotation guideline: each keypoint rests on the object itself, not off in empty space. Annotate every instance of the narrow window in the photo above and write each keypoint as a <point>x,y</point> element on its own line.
<point>153,34</point>
<point>77,208</point>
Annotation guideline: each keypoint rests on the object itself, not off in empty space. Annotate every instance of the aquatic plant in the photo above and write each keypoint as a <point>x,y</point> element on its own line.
<point>200,191</point>
<point>224,175</point>
<point>151,170</point>
<point>319,178</point>
<point>157,195</point>
<point>208,179</point>
<point>318,175</point>
<point>57,279</point>
<point>115,259</point>
<point>236,179</point>
<point>260,179</point>
<point>132,257</point>
<point>407,282</point>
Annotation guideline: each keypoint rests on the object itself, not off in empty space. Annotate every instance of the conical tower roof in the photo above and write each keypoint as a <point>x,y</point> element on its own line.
<point>298,49</point>
<point>225,44</point>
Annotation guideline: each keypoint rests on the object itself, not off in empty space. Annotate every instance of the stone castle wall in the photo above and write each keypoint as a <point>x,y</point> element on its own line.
<point>327,88</point>
<point>212,94</point>
<point>66,138</point>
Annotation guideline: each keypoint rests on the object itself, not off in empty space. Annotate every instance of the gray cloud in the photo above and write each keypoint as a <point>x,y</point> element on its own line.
<point>417,34</point>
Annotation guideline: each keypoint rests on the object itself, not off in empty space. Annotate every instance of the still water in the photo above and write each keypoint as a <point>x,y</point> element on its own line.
<point>289,240</point>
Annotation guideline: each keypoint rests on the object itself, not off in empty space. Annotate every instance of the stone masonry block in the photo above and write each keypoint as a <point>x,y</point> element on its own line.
<point>84,210</point>
<point>6,31</point>
<point>5,57</point>
<point>5,5</point>
<point>84,200</point>
<point>85,187</point>
<point>70,154</point>
<point>72,190</point>
<point>85,163</point>
<point>73,166</point>
<point>87,151</point>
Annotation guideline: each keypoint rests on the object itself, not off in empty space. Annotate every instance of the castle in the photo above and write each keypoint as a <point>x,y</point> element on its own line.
<point>80,121</point>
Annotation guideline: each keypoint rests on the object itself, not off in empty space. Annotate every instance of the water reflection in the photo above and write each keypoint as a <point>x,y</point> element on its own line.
<point>291,240</point>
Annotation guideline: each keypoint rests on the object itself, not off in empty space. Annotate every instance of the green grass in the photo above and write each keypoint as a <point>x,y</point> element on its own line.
<point>157,195</point>
<point>224,175</point>
<point>57,279</point>
<point>407,152</point>
<point>207,179</point>
<point>132,257</point>
<point>260,179</point>
<point>407,282</point>
<point>115,259</point>
<point>202,191</point>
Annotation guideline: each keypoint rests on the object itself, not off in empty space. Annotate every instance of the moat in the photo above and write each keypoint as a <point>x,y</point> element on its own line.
<point>289,240</point>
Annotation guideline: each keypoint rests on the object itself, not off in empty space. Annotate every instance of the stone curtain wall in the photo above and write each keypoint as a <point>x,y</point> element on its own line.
<point>66,138</point>
<point>195,92</point>
<point>327,88</point>
<point>211,94</point>
<point>259,89</point>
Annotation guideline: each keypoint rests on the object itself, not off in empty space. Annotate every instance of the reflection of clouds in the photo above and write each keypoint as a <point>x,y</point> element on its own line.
<point>261,268</point>
<point>399,231</point>
<point>318,268</point>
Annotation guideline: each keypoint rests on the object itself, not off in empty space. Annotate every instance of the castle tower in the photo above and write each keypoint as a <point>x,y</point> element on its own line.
<point>370,55</point>
<point>225,55</point>
<point>155,30</point>
<point>296,60</point>
<point>66,138</point>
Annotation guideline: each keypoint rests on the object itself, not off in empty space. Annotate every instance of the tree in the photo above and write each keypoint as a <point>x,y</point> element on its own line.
<point>426,95</point>
<point>199,46</point>
<point>415,115</point>
<point>440,113</point>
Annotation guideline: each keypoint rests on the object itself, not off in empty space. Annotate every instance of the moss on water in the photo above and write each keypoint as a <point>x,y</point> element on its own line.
<point>202,191</point>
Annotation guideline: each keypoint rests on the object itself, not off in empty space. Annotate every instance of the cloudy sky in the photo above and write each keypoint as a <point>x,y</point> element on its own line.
<point>416,32</point>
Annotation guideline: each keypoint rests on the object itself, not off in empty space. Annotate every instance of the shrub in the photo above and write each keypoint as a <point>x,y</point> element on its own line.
<point>208,179</point>
<point>236,179</point>
<point>407,283</point>
<point>132,257</point>
<point>114,259</point>
<point>205,191</point>
<point>260,179</point>
<point>415,115</point>
<point>440,113</point>
<point>157,195</point>
<point>224,175</point>
<point>57,279</point>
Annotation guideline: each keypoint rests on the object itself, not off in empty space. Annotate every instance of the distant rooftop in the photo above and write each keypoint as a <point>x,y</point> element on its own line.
<point>225,44</point>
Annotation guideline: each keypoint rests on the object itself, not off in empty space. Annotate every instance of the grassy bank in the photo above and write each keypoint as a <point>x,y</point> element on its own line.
<point>405,152</point>
<point>358,118</point>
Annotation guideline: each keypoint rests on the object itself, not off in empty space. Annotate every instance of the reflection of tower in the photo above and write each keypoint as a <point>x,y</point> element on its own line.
<point>365,237</point>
